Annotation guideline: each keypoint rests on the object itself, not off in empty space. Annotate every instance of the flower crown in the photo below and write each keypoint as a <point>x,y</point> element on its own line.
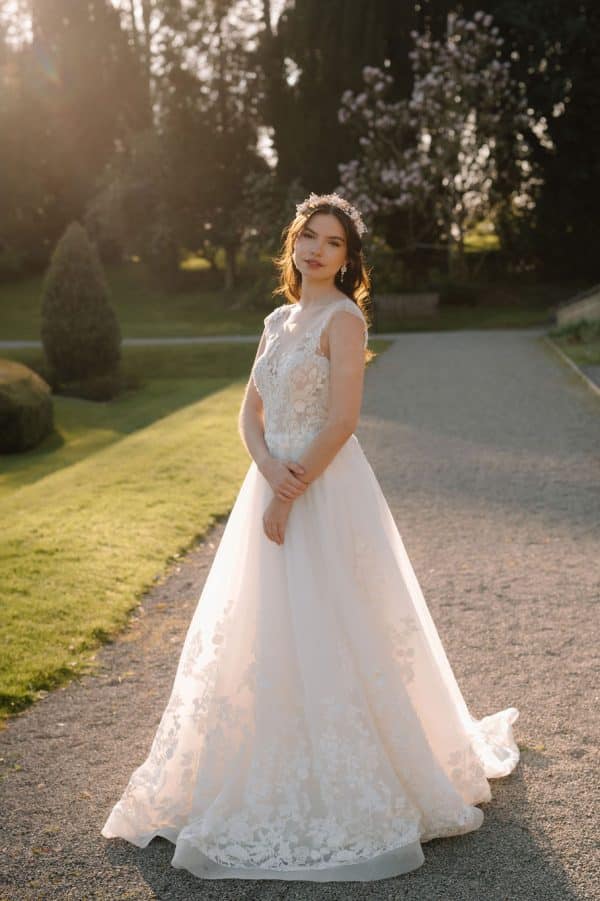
<point>315,200</point>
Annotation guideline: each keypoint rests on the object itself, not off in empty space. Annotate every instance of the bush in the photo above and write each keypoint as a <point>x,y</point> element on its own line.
<point>163,256</point>
<point>96,387</point>
<point>257,282</point>
<point>579,332</point>
<point>390,273</point>
<point>12,263</point>
<point>455,292</point>
<point>26,411</point>
<point>80,332</point>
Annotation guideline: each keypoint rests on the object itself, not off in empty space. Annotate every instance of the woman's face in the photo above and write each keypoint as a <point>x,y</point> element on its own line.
<point>322,238</point>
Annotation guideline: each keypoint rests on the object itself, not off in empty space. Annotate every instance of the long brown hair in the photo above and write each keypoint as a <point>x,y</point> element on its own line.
<point>356,283</point>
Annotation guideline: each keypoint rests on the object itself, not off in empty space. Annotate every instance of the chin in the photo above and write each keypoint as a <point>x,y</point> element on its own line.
<point>317,274</point>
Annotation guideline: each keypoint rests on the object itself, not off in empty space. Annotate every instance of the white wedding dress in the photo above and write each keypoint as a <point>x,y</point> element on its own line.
<point>315,729</point>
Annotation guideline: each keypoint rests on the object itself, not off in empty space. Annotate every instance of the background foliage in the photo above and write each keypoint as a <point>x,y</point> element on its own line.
<point>172,129</point>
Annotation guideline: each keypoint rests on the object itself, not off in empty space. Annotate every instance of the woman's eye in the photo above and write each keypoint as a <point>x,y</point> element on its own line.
<point>331,243</point>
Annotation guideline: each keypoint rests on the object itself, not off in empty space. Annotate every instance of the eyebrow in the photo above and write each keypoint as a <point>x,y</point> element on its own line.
<point>335,237</point>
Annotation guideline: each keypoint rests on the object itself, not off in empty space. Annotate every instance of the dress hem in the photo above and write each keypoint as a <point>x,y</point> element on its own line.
<point>400,860</point>
<point>383,866</point>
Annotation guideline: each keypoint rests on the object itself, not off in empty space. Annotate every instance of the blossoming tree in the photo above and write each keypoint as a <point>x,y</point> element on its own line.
<point>457,149</point>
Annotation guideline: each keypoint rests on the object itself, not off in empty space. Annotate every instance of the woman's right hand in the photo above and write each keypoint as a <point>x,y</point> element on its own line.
<point>284,477</point>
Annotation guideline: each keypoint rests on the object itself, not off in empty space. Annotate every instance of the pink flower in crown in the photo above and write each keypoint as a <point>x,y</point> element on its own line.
<point>315,200</point>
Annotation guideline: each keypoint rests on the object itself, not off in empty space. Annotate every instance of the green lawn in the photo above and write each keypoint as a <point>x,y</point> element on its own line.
<point>144,310</point>
<point>175,377</point>
<point>579,341</point>
<point>92,516</point>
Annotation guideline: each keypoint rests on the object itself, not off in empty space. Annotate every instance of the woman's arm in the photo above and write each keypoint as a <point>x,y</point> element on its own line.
<point>251,420</point>
<point>346,379</point>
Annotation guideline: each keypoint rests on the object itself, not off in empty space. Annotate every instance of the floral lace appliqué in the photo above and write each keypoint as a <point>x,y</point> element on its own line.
<point>294,381</point>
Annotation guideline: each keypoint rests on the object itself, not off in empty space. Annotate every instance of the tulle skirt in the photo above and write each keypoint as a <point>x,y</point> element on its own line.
<point>315,729</point>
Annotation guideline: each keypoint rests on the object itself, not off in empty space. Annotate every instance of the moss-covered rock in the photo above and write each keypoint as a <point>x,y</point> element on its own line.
<point>26,409</point>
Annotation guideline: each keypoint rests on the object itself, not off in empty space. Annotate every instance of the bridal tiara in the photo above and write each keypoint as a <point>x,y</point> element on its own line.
<point>315,200</point>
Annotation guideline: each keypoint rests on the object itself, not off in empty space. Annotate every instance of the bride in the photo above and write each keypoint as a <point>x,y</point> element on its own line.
<point>315,729</point>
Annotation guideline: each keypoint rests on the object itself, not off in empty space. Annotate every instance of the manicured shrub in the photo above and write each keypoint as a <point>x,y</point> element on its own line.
<point>80,331</point>
<point>26,411</point>
<point>94,387</point>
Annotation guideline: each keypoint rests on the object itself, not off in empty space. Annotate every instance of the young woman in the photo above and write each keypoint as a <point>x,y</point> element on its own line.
<point>315,729</point>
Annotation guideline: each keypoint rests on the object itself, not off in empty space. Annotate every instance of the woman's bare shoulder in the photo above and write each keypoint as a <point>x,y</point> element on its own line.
<point>346,305</point>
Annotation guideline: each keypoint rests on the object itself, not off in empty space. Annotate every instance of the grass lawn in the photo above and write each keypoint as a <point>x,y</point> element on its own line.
<point>579,341</point>
<point>146,311</point>
<point>92,516</point>
<point>169,378</point>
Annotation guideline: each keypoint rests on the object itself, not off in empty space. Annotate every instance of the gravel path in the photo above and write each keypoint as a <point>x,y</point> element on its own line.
<point>486,447</point>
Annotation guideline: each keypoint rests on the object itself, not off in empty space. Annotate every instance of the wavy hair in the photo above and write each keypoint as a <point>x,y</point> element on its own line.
<point>356,283</point>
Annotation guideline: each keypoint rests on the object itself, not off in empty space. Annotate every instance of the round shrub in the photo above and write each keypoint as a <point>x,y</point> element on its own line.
<point>26,410</point>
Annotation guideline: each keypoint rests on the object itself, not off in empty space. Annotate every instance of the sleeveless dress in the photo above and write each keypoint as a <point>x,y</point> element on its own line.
<point>315,729</point>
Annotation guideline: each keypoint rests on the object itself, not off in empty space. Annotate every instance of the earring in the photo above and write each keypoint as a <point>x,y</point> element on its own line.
<point>343,271</point>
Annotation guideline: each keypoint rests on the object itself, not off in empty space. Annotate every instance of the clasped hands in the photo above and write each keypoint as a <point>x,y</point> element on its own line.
<point>285,478</point>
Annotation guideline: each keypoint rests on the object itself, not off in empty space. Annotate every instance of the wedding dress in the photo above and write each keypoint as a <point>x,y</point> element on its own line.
<point>315,729</point>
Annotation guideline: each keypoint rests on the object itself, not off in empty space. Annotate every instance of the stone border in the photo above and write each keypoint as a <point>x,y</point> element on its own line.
<point>592,385</point>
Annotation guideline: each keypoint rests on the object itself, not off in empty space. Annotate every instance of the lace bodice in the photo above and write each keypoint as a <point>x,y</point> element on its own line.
<point>292,377</point>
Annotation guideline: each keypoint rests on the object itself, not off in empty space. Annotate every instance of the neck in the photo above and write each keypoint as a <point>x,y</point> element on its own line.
<point>313,301</point>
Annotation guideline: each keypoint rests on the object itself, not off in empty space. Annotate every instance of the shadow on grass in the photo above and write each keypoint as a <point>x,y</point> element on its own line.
<point>166,379</point>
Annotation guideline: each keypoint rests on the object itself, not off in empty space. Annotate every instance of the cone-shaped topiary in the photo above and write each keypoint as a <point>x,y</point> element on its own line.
<point>80,331</point>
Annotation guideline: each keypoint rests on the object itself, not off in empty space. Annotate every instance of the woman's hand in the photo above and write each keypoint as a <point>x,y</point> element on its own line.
<point>275,519</point>
<point>284,477</point>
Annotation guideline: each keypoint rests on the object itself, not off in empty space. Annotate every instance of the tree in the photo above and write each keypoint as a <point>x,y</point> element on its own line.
<point>209,119</point>
<point>179,186</point>
<point>317,51</point>
<point>553,46</point>
<point>68,95</point>
<point>445,152</point>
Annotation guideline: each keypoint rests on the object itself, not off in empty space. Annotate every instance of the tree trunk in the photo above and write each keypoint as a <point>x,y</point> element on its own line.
<point>230,272</point>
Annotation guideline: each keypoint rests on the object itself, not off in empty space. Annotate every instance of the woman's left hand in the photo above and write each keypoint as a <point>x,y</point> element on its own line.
<point>275,519</point>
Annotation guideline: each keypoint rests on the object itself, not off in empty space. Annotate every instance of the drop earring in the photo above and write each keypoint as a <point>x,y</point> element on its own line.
<point>343,271</point>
